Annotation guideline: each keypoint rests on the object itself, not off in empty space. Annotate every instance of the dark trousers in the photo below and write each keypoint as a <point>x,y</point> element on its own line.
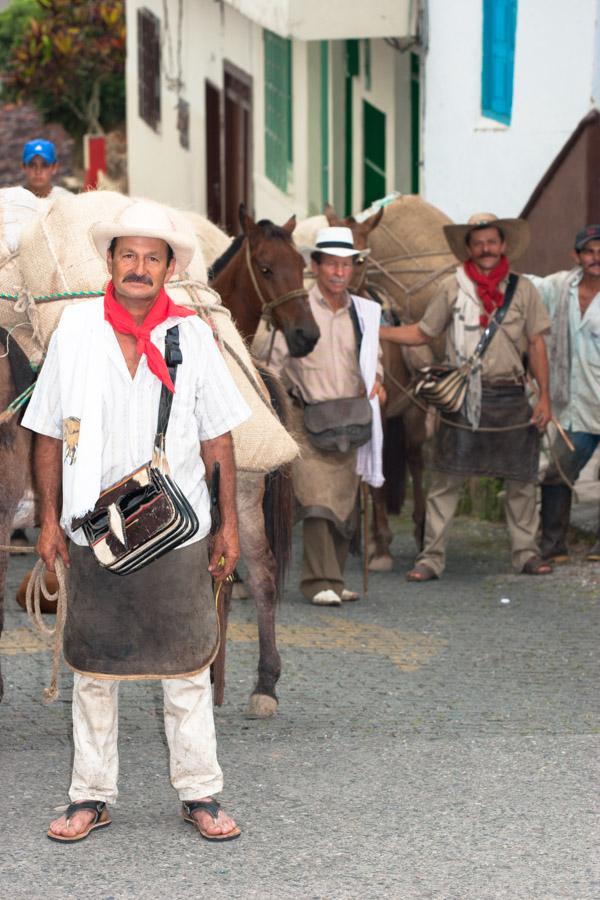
<point>556,495</point>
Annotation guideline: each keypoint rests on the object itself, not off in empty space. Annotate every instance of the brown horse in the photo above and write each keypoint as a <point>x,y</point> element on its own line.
<point>264,504</point>
<point>15,453</point>
<point>260,275</point>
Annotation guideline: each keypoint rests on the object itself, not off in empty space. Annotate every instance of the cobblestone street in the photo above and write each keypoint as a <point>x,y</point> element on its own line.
<point>432,741</point>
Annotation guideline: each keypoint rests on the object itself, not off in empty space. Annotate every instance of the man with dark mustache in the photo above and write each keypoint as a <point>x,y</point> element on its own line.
<point>573,300</point>
<point>465,304</point>
<point>95,410</point>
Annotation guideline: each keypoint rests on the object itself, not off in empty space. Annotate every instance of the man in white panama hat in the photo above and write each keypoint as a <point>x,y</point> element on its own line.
<point>489,436</point>
<point>339,451</point>
<point>95,410</point>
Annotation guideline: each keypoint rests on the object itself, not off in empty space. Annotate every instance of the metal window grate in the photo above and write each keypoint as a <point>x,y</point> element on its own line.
<point>148,67</point>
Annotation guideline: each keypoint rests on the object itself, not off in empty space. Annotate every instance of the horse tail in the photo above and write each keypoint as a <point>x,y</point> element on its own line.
<point>278,500</point>
<point>394,464</point>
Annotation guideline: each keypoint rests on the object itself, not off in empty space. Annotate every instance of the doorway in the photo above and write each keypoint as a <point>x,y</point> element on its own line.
<point>237,89</point>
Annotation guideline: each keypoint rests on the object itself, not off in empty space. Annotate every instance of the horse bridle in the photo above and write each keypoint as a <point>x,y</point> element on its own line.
<point>269,305</point>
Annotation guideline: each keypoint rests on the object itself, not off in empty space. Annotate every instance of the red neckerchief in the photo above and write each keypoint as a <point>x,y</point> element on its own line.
<point>487,286</point>
<point>123,322</point>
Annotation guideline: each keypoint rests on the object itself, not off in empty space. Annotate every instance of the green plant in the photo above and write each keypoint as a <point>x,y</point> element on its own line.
<point>70,62</point>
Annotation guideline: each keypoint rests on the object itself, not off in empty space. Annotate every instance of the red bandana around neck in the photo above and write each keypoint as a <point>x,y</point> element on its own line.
<point>487,286</point>
<point>123,322</point>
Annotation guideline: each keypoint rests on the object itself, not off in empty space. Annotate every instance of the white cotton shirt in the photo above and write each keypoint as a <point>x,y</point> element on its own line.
<point>582,412</point>
<point>206,404</point>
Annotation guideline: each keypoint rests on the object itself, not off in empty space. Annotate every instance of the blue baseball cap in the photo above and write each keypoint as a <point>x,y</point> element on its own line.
<point>39,147</point>
<point>589,233</point>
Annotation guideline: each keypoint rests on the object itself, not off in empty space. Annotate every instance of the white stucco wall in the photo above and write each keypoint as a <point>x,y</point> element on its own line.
<point>472,164</point>
<point>158,166</point>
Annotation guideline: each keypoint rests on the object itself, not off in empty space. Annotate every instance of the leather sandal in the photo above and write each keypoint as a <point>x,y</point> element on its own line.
<point>535,565</point>
<point>420,573</point>
<point>101,820</point>
<point>213,807</point>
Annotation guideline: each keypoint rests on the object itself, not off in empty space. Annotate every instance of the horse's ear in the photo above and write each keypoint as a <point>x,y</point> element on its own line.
<point>331,215</point>
<point>246,220</point>
<point>290,224</point>
<point>373,221</point>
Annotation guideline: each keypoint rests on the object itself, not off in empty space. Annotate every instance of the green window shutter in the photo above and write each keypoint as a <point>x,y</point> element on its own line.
<point>278,108</point>
<point>373,154</point>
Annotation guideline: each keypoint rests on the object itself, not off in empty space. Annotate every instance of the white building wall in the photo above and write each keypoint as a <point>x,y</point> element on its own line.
<point>474,164</point>
<point>158,166</point>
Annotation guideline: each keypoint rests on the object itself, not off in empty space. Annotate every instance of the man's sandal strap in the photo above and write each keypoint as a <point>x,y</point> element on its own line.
<point>97,806</point>
<point>212,807</point>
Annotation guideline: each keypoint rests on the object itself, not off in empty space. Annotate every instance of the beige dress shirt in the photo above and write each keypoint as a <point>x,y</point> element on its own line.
<point>526,317</point>
<point>331,370</point>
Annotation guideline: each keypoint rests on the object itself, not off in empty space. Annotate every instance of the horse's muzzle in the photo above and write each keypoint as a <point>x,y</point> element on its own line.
<point>301,341</point>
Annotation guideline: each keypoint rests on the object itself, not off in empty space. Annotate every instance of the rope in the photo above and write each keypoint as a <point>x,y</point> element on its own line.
<point>248,375</point>
<point>36,589</point>
<point>16,404</point>
<point>15,548</point>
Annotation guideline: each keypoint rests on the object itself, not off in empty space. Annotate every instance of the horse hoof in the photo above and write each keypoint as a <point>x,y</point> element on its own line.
<point>238,591</point>
<point>383,563</point>
<point>261,706</point>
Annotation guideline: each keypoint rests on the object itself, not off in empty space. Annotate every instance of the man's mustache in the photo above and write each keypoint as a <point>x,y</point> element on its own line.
<point>138,279</point>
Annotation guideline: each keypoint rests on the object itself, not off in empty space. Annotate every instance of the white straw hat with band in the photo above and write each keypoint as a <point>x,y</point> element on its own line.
<point>143,218</point>
<point>335,241</point>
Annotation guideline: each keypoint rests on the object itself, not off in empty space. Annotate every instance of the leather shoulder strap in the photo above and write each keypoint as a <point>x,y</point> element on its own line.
<point>497,319</point>
<point>173,358</point>
<point>356,325</point>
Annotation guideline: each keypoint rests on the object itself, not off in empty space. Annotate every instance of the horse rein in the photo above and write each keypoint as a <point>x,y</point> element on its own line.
<point>269,305</point>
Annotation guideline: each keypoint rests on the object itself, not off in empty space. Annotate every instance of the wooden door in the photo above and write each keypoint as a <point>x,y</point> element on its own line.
<point>214,155</point>
<point>237,145</point>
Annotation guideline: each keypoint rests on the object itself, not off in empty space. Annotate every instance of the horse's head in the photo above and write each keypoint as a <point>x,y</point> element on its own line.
<point>360,235</point>
<point>276,271</point>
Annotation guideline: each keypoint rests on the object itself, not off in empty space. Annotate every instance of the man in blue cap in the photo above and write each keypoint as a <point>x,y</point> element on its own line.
<point>40,165</point>
<point>573,300</point>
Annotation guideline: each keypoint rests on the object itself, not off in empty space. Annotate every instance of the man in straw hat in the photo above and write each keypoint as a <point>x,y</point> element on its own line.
<point>495,400</point>
<point>95,411</point>
<point>344,366</point>
<point>573,300</point>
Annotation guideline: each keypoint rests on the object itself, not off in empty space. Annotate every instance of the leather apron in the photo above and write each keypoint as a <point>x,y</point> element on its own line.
<point>157,623</point>
<point>510,454</point>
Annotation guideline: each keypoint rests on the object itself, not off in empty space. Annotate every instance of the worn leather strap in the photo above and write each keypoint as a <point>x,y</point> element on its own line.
<point>96,806</point>
<point>496,321</point>
<point>213,807</point>
<point>173,358</point>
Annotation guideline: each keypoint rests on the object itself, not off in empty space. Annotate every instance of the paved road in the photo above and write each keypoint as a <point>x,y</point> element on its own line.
<point>432,742</point>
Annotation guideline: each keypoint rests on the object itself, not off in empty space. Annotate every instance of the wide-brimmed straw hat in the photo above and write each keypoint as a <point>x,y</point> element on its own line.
<point>335,241</point>
<point>143,218</point>
<point>516,234</point>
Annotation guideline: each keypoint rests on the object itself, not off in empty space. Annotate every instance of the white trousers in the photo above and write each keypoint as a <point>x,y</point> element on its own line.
<point>189,727</point>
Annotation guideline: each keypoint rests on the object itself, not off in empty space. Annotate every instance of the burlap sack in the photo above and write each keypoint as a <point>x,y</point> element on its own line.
<point>58,255</point>
<point>212,241</point>
<point>261,444</point>
<point>409,244</point>
<point>18,207</point>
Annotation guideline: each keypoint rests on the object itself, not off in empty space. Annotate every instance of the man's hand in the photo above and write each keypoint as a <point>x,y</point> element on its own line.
<point>542,413</point>
<point>52,543</point>
<point>378,391</point>
<point>226,544</point>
